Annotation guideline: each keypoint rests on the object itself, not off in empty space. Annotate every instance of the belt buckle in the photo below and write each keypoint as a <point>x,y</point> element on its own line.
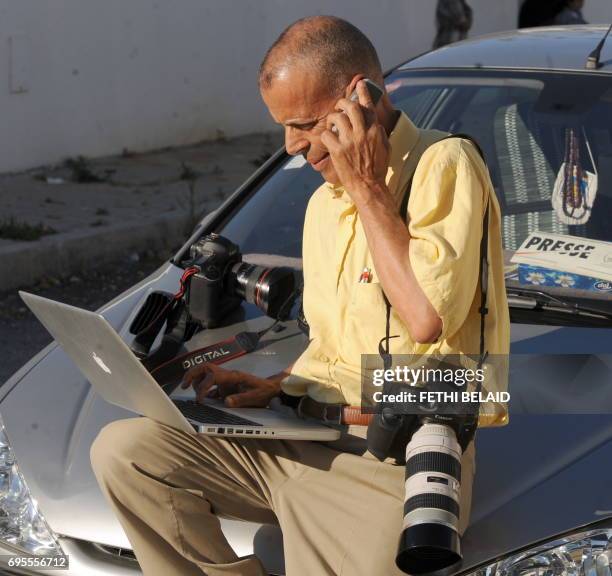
<point>332,414</point>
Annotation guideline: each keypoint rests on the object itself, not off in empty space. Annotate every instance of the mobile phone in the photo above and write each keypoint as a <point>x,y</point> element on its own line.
<point>375,93</point>
<point>374,90</point>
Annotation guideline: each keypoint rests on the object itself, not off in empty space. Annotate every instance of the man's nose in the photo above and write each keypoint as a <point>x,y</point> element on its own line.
<point>295,143</point>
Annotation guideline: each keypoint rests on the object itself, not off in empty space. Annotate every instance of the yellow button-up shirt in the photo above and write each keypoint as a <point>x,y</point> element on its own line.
<point>445,215</point>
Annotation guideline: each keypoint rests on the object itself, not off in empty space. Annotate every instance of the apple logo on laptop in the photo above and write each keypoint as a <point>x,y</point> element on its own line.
<point>100,363</point>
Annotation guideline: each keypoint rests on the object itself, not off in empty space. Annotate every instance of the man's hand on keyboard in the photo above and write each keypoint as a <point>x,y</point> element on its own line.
<point>239,389</point>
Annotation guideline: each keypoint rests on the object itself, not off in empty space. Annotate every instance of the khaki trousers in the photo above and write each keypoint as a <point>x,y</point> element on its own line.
<point>340,509</point>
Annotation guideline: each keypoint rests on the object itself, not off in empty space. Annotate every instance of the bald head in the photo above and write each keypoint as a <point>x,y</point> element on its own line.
<point>327,46</point>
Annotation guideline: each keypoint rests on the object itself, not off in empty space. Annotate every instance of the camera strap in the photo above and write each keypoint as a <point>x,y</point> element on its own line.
<point>170,373</point>
<point>383,349</point>
<point>168,369</point>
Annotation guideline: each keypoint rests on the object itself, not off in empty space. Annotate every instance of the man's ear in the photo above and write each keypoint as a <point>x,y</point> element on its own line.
<point>353,84</point>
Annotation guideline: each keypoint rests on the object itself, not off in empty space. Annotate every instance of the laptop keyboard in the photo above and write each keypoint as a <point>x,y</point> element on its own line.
<point>209,415</point>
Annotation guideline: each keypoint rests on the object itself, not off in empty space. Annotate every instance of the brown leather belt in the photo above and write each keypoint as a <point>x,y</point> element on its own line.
<point>333,413</point>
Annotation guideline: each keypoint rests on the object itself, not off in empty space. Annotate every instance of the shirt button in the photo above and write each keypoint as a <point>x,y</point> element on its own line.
<point>349,218</point>
<point>324,358</point>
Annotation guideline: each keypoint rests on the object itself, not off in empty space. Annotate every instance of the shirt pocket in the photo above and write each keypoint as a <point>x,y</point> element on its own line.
<point>364,322</point>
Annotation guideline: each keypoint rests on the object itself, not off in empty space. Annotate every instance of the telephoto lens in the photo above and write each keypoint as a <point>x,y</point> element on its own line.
<point>430,534</point>
<point>267,288</point>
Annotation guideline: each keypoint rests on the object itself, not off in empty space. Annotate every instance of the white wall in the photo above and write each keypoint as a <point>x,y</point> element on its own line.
<point>598,11</point>
<point>93,77</point>
<point>492,15</point>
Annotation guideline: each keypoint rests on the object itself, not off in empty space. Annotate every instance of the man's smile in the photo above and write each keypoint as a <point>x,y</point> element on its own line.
<point>319,164</point>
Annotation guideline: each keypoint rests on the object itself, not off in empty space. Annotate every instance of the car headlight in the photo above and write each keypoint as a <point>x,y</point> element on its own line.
<point>21,522</point>
<point>587,553</point>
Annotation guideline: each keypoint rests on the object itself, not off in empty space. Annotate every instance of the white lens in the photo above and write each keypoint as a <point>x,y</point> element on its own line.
<point>433,474</point>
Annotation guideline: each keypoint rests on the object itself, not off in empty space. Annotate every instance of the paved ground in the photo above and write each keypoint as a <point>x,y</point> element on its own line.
<point>133,191</point>
<point>22,335</point>
<point>131,188</point>
<point>95,209</point>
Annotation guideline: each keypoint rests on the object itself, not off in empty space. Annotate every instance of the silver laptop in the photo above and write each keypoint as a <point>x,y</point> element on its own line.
<point>120,378</point>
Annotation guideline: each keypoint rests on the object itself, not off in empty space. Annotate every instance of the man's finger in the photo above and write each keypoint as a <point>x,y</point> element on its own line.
<point>187,378</point>
<point>330,140</point>
<point>364,96</point>
<point>254,398</point>
<point>213,392</point>
<point>204,386</point>
<point>193,375</point>
<point>341,122</point>
<point>355,115</point>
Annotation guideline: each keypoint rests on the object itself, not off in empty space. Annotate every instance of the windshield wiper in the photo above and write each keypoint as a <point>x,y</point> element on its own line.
<point>534,299</point>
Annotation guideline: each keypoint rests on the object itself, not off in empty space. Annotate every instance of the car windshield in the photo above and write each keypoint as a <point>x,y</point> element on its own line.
<point>547,139</point>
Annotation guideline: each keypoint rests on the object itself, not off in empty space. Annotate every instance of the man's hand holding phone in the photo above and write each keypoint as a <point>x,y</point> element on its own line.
<point>358,145</point>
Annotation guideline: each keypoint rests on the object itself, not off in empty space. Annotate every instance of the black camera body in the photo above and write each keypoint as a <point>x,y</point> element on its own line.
<point>208,298</point>
<point>224,281</point>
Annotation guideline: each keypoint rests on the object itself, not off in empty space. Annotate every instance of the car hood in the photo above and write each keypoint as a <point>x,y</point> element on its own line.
<point>524,470</point>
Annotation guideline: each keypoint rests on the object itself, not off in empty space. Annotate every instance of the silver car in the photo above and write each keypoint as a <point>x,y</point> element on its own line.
<point>542,499</point>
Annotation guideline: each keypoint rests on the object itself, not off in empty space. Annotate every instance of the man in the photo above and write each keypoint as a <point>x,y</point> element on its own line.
<point>453,21</point>
<point>339,508</point>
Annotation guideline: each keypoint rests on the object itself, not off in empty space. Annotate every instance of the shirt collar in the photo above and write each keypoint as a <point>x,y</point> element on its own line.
<point>402,141</point>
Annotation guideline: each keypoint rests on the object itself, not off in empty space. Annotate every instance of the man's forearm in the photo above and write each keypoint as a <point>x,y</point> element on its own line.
<point>389,240</point>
